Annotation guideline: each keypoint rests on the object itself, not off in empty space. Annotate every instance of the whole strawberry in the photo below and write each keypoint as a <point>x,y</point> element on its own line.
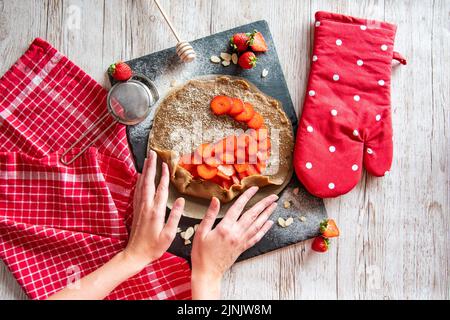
<point>120,71</point>
<point>320,244</point>
<point>247,60</point>
<point>240,41</point>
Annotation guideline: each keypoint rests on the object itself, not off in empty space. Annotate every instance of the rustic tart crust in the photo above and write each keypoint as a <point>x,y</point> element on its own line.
<point>188,108</point>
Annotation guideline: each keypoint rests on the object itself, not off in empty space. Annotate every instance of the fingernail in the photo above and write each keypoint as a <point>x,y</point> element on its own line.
<point>216,201</point>
<point>275,197</point>
<point>180,202</point>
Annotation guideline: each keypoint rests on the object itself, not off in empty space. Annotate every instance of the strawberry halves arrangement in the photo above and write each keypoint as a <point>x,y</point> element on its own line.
<point>230,160</point>
<point>346,118</point>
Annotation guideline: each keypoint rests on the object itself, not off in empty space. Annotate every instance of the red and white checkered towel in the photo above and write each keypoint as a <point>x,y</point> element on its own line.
<point>57,222</point>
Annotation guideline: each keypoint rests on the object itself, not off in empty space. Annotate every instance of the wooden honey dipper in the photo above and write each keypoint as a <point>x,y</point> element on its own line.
<point>184,49</point>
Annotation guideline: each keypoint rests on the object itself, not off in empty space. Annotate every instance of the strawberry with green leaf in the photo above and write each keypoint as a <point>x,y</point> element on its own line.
<point>120,71</point>
<point>247,60</point>
<point>240,41</point>
<point>257,42</point>
<point>320,244</point>
<point>329,229</point>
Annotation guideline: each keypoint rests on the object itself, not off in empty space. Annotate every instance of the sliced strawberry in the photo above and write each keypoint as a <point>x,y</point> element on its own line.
<point>186,162</point>
<point>256,122</point>
<point>237,107</point>
<point>260,167</point>
<point>227,158</point>
<point>251,170</point>
<point>194,172</point>
<point>264,145</point>
<point>329,229</point>
<point>226,184</point>
<point>243,175</point>
<point>247,114</point>
<point>203,152</point>
<point>252,151</point>
<point>206,172</point>
<point>260,134</point>
<point>240,168</point>
<point>263,155</point>
<point>257,42</point>
<point>212,161</point>
<point>220,105</point>
<point>242,141</point>
<point>241,155</point>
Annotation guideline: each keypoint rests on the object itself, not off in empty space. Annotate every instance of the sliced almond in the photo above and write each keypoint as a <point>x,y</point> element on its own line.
<point>234,58</point>
<point>225,56</point>
<point>282,222</point>
<point>289,221</point>
<point>215,59</point>
<point>287,204</point>
<point>225,63</point>
<point>183,234</point>
<point>186,242</point>
<point>264,73</point>
<point>295,191</point>
<point>178,230</point>
<point>189,233</point>
<point>302,218</point>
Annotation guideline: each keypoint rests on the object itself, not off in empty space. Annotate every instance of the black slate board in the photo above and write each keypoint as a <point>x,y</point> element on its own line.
<point>164,66</point>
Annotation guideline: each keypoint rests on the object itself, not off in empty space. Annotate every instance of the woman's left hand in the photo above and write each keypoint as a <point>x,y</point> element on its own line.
<point>150,237</point>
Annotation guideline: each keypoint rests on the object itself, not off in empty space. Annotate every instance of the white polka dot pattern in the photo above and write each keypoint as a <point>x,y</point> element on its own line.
<point>348,104</point>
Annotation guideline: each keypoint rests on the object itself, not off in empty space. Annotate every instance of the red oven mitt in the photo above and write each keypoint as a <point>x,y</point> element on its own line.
<point>346,119</point>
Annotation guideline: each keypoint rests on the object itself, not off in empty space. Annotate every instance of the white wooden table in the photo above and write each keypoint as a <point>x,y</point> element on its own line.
<point>395,240</point>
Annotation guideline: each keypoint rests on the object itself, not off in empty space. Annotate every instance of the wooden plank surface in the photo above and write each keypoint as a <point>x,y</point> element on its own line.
<point>395,240</point>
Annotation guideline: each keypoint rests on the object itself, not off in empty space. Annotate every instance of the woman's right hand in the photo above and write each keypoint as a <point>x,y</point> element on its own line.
<point>215,250</point>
